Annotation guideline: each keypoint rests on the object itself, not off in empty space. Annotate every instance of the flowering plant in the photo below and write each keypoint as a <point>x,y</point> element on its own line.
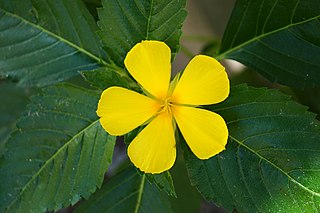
<point>99,112</point>
<point>154,149</point>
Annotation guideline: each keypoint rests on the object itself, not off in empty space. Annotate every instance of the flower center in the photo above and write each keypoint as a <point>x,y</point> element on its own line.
<point>166,105</point>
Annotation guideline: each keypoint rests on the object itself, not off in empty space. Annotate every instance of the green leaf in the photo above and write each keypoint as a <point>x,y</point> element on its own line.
<point>163,181</point>
<point>280,39</point>
<point>44,42</point>
<point>13,103</point>
<point>104,77</point>
<point>124,23</point>
<point>188,199</point>
<point>271,162</point>
<point>59,153</point>
<point>126,192</point>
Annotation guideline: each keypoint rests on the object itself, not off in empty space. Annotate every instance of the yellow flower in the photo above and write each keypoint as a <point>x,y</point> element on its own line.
<point>203,82</point>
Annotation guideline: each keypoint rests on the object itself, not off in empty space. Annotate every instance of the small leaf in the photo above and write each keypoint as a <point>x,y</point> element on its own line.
<point>124,23</point>
<point>44,42</point>
<point>280,39</point>
<point>104,77</point>
<point>126,192</point>
<point>271,162</point>
<point>163,181</point>
<point>59,153</point>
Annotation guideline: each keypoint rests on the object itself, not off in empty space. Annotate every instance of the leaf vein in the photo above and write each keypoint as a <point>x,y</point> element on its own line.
<point>63,40</point>
<point>29,39</point>
<point>269,15</point>
<point>149,19</point>
<point>224,179</point>
<point>276,167</point>
<point>51,159</point>
<point>12,26</point>
<point>140,192</point>
<point>135,26</point>
<point>293,199</point>
<point>286,55</point>
<point>244,179</point>
<point>232,49</point>
<point>264,183</point>
<point>274,132</point>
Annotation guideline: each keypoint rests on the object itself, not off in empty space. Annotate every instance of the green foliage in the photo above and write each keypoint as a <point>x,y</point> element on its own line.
<point>125,192</point>
<point>271,162</point>
<point>58,154</point>
<point>104,77</point>
<point>280,39</point>
<point>163,181</point>
<point>44,42</point>
<point>124,23</point>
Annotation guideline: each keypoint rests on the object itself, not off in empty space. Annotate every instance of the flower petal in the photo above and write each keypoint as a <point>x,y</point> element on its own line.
<point>203,82</point>
<point>205,132</point>
<point>122,110</point>
<point>149,63</point>
<point>154,149</point>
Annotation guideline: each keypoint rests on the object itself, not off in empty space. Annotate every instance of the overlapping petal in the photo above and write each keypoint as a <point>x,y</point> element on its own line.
<point>149,63</point>
<point>203,82</point>
<point>205,132</point>
<point>154,149</point>
<point>122,110</point>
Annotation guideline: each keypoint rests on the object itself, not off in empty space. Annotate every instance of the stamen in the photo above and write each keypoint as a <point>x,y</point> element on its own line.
<point>166,106</point>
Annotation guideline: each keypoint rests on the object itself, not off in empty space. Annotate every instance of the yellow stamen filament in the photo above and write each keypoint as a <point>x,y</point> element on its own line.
<point>166,106</point>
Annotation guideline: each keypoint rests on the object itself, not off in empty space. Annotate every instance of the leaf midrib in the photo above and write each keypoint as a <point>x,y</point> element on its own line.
<point>63,40</point>
<point>275,166</point>
<point>141,188</point>
<point>149,20</point>
<point>225,54</point>
<point>49,161</point>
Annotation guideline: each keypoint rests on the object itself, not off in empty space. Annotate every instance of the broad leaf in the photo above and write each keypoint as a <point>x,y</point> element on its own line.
<point>124,23</point>
<point>271,162</point>
<point>59,153</point>
<point>44,42</point>
<point>13,103</point>
<point>280,39</point>
<point>127,192</point>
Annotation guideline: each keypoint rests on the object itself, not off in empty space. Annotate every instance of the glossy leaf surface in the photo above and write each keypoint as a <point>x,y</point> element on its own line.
<point>59,153</point>
<point>279,39</point>
<point>125,23</point>
<point>127,192</point>
<point>44,42</point>
<point>271,162</point>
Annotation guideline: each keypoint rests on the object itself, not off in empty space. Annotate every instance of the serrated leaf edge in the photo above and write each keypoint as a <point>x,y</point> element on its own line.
<point>48,161</point>
<point>80,49</point>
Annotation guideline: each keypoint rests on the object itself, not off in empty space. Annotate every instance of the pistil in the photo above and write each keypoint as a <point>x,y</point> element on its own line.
<point>166,106</point>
